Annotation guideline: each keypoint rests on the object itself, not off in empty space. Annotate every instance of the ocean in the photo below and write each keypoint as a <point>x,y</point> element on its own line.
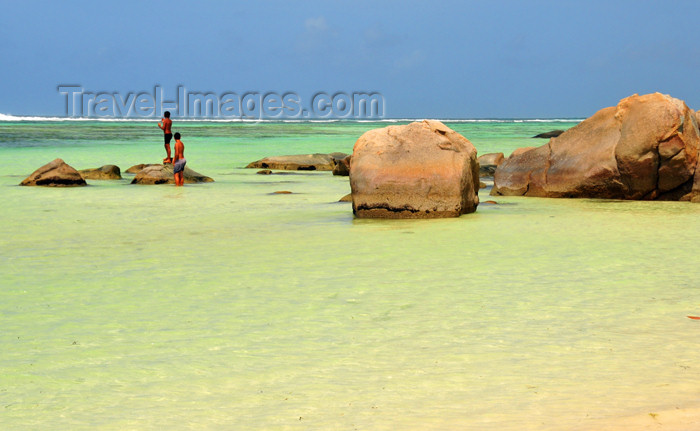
<point>225,306</point>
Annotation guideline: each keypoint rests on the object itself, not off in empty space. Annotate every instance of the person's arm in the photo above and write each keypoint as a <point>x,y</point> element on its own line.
<point>161,125</point>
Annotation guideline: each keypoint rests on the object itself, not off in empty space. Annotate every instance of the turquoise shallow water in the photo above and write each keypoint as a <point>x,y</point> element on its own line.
<point>223,306</point>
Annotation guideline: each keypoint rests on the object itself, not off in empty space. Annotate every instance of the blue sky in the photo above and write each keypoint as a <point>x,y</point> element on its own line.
<point>451,59</point>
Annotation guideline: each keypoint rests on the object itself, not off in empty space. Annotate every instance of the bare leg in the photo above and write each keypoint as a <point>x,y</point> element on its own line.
<point>168,159</point>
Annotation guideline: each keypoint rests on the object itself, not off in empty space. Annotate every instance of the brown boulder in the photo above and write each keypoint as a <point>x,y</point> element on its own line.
<point>137,168</point>
<point>338,156</point>
<point>488,163</point>
<point>519,151</point>
<point>55,174</point>
<point>646,147</point>
<point>298,162</point>
<point>106,172</point>
<point>342,167</point>
<point>420,170</point>
<point>163,174</point>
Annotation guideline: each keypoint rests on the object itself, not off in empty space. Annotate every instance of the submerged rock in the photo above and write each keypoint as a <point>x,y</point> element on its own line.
<point>106,172</point>
<point>488,163</point>
<point>646,147</point>
<point>55,174</point>
<point>346,198</point>
<point>163,174</point>
<point>298,162</point>
<point>420,170</point>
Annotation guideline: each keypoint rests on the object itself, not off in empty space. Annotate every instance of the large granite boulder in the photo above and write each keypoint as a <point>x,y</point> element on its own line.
<point>298,162</point>
<point>55,174</point>
<point>163,174</point>
<point>488,163</point>
<point>646,147</point>
<point>106,172</point>
<point>420,170</point>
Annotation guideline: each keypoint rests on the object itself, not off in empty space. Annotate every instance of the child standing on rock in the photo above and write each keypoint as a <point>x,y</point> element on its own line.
<point>166,124</point>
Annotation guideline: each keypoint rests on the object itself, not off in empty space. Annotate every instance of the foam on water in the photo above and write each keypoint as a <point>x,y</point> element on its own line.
<point>223,306</point>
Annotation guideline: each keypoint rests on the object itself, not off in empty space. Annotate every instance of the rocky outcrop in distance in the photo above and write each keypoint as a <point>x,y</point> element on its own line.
<point>550,134</point>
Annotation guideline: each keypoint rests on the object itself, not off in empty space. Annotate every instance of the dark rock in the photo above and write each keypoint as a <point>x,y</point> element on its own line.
<point>55,174</point>
<point>264,172</point>
<point>420,170</point>
<point>488,163</point>
<point>342,167</point>
<point>163,174</point>
<point>552,134</point>
<point>106,172</point>
<point>298,162</point>
<point>338,156</point>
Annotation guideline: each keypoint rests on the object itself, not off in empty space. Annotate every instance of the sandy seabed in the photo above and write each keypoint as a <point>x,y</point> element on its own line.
<point>678,419</point>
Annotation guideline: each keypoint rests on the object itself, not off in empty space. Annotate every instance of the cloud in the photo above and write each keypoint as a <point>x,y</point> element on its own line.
<point>316,25</point>
<point>315,36</point>
<point>411,60</point>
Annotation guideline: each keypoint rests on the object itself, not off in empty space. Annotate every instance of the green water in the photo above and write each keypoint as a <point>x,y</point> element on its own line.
<point>222,306</point>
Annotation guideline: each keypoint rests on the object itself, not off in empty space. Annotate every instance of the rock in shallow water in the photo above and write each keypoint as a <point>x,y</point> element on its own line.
<point>420,170</point>
<point>163,174</point>
<point>342,166</point>
<point>136,168</point>
<point>646,147</point>
<point>488,163</point>
<point>106,172</point>
<point>298,162</point>
<point>55,174</point>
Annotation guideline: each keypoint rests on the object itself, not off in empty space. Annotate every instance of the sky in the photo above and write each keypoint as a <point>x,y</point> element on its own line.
<point>437,59</point>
